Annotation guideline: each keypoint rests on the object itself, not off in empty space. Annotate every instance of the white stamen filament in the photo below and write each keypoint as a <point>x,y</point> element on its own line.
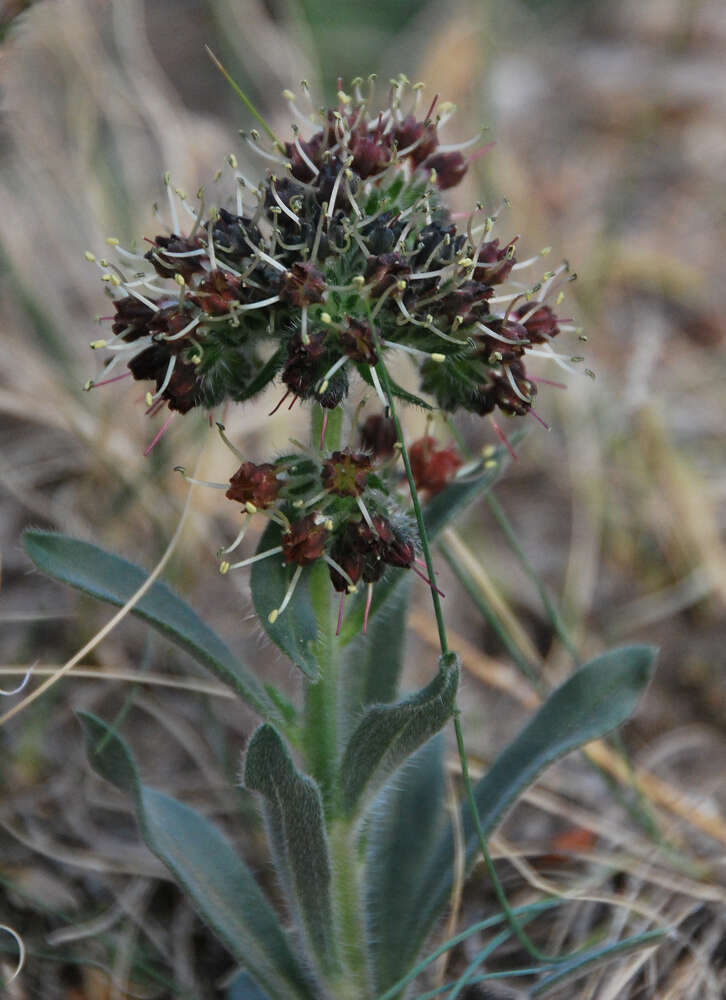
<point>377,386</point>
<point>266,257</point>
<point>498,336</point>
<point>334,192</point>
<point>240,536</point>
<point>257,558</point>
<point>288,211</point>
<point>456,147</point>
<point>257,305</point>
<point>186,253</point>
<point>364,511</point>
<point>167,378</point>
<point>263,152</point>
<point>515,387</point>
<point>339,569</point>
<point>184,331</point>
<point>274,615</point>
<point>331,371</point>
<point>305,158</point>
<point>172,205</point>
<point>210,247</point>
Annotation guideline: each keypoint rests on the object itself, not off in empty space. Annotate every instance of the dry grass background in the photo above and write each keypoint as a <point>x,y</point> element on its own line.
<point>611,143</point>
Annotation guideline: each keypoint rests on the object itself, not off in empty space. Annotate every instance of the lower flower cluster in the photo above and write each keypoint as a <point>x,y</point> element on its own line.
<point>345,507</point>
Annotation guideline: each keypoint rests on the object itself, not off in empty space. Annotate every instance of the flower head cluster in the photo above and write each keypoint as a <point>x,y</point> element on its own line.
<point>343,253</point>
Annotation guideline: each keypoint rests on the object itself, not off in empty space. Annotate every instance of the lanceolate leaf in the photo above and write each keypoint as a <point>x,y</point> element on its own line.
<point>594,700</point>
<point>440,511</point>
<point>295,631</point>
<point>405,823</point>
<point>208,869</point>
<point>113,579</point>
<point>388,734</point>
<point>296,830</point>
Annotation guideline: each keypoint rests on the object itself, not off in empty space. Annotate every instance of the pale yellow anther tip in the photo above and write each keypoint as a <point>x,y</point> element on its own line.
<point>329,524</point>
<point>491,464</point>
<point>326,318</point>
<point>438,358</point>
<point>358,279</point>
<point>90,257</point>
<point>88,385</point>
<point>324,385</point>
<point>96,345</point>
<point>273,616</point>
<point>401,285</point>
<point>288,95</point>
<point>112,241</point>
<point>232,160</point>
<point>115,280</point>
<point>179,278</point>
<point>223,567</point>
<point>488,450</point>
<point>148,399</point>
<point>250,507</point>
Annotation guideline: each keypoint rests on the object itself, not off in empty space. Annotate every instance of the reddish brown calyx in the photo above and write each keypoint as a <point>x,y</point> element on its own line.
<point>495,263</point>
<point>357,341</point>
<point>254,484</point>
<point>217,293</point>
<point>384,271</point>
<point>345,473</point>
<point>302,285</point>
<point>132,316</point>
<point>305,542</point>
<point>540,323</point>
<point>168,266</point>
<point>421,136</point>
<point>433,467</point>
<point>378,435</point>
<point>450,168</point>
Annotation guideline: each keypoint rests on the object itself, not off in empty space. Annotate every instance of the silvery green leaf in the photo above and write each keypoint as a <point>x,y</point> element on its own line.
<point>206,866</point>
<point>296,830</point>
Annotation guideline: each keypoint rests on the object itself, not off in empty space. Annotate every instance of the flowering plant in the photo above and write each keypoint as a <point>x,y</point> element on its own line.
<point>342,258</point>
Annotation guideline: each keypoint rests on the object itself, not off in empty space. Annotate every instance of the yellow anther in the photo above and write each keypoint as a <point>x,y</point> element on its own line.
<point>273,616</point>
<point>196,359</point>
<point>491,464</point>
<point>329,524</point>
<point>466,262</point>
<point>401,285</point>
<point>115,280</point>
<point>224,567</point>
<point>181,194</point>
<point>545,250</point>
<point>96,345</point>
<point>488,450</point>
<point>438,358</point>
<point>358,280</point>
<point>90,257</point>
<point>167,177</point>
<point>326,318</point>
<point>112,241</point>
<point>105,277</point>
<point>288,95</point>
<point>446,106</point>
<point>323,386</point>
<point>232,160</point>
<point>87,386</point>
<point>217,175</point>
<point>179,278</point>
<point>560,298</point>
<point>250,507</point>
<point>148,399</point>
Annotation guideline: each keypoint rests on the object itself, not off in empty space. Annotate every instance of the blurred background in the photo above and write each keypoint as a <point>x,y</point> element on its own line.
<point>609,123</point>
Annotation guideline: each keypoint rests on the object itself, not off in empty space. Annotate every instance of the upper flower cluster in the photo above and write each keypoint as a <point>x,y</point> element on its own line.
<point>345,251</point>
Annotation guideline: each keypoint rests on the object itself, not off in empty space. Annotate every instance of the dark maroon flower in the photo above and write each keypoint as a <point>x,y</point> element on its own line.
<point>217,292</point>
<point>371,155</point>
<point>305,541</point>
<point>494,263</point>
<point>421,136</point>
<point>450,168</point>
<point>302,285</point>
<point>132,318</point>
<point>378,435</point>
<point>182,388</point>
<point>540,322</point>
<point>166,266</point>
<point>495,350</point>
<point>255,484</point>
<point>384,270</point>
<point>433,467</point>
<point>346,473</point>
<point>357,341</point>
